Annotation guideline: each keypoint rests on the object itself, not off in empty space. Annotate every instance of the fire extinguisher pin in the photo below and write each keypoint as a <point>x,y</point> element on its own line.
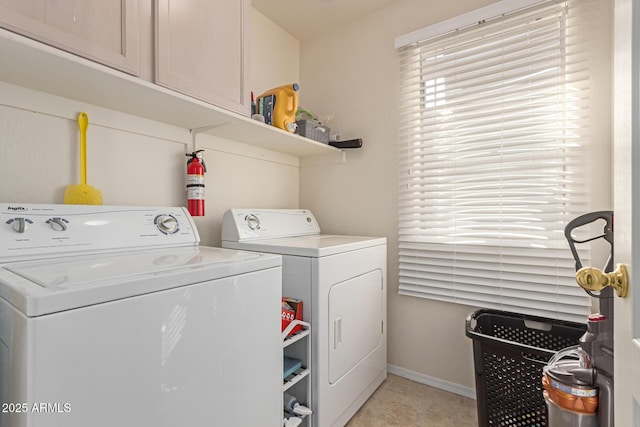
<point>199,156</point>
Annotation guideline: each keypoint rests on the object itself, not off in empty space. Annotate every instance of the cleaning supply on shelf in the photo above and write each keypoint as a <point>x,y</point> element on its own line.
<point>253,105</point>
<point>279,106</point>
<point>294,407</point>
<point>311,127</point>
<point>291,311</point>
<point>291,422</point>
<point>290,365</point>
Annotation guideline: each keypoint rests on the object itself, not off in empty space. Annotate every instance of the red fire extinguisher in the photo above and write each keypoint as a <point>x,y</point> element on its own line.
<point>195,183</point>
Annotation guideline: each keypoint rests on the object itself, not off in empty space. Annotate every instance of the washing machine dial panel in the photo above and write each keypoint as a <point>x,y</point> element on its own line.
<point>52,230</point>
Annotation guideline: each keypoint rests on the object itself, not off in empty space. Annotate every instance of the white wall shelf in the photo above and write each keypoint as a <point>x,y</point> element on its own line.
<point>40,67</point>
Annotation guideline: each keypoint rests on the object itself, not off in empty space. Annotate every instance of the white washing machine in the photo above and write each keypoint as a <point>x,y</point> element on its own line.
<point>342,283</point>
<point>114,316</point>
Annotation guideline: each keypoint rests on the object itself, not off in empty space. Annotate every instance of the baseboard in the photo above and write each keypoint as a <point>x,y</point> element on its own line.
<point>433,382</point>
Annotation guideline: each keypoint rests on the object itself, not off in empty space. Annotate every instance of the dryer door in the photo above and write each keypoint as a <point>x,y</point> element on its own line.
<point>355,321</point>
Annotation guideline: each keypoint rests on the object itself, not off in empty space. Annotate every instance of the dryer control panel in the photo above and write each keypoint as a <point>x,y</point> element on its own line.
<point>250,224</point>
<point>49,230</point>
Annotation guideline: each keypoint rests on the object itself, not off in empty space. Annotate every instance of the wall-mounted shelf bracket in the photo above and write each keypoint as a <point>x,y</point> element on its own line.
<point>195,131</point>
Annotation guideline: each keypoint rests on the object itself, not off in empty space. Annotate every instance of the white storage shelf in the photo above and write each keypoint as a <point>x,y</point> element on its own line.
<point>304,371</point>
<point>40,67</point>
<point>295,378</point>
<point>303,352</point>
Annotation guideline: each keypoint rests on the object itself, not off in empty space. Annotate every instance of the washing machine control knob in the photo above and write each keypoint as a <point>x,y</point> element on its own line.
<point>252,221</point>
<point>19,225</point>
<point>168,224</point>
<point>58,224</point>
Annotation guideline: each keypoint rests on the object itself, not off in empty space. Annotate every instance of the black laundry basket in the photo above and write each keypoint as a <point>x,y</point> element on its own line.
<point>509,351</point>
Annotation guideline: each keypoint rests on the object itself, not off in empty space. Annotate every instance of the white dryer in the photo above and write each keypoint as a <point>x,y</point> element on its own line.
<point>342,283</point>
<point>114,316</point>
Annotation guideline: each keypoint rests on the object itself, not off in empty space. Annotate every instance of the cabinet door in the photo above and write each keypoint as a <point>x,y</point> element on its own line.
<point>201,50</point>
<point>104,31</point>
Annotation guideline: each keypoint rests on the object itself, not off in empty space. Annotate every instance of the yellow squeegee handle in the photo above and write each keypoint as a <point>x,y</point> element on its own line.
<point>83,124</point>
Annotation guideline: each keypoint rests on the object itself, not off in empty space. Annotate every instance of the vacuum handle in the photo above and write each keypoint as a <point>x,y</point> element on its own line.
<point>585,219</point>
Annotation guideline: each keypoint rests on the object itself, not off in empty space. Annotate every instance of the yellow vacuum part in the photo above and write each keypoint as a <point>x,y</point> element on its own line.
<point>82,194</point>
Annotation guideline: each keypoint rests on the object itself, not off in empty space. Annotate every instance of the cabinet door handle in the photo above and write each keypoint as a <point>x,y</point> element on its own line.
<point>337,332</point>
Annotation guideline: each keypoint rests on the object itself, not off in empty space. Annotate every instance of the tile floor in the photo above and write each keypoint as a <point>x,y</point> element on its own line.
<point>402,402</point>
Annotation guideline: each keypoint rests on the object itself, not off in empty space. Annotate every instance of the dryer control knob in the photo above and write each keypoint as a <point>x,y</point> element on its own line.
<point>252,221</point>
<point>168,224</point>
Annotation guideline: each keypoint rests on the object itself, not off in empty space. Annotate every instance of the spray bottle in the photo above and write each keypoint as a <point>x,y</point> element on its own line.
<point>294,407</point>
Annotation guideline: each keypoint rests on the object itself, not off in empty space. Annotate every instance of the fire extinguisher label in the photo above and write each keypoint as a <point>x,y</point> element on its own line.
<point>195,187</point>
<point>195,180</point>
<point>195,193</point>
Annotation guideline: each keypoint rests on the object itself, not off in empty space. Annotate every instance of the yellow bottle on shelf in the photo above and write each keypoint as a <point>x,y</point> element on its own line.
<point>279,106</point>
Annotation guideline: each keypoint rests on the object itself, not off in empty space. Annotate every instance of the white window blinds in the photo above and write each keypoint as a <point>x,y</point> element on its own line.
<point>493,133</point>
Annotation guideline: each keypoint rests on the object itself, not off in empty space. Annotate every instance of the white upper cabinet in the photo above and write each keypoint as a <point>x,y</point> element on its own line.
<point>202,62</point>
<point>105,31</point>
<point>201,50</point>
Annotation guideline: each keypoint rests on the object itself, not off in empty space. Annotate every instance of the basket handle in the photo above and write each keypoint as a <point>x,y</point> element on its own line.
<point>470,322</point>
<point>470,331</point>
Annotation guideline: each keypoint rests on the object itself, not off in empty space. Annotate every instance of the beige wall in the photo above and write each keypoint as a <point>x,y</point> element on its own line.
<point>352,73</point>
<point>275,55</point>
<point>135,161</point>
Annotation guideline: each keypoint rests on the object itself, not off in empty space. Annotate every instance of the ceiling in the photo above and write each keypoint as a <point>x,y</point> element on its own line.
<point>304,19</point>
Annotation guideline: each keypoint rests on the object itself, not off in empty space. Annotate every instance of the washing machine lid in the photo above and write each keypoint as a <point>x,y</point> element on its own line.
<point>51,285</point>
<point>313,246</point>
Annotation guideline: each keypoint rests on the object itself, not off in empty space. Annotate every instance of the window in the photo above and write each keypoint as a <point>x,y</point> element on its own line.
<point>493,136</point>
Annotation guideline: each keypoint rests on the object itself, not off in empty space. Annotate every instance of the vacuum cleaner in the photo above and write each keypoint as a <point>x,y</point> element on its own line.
<point>578,381</point>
